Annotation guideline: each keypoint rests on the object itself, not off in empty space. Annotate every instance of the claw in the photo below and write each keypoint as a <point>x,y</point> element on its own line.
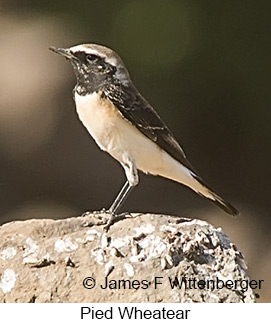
<point>111,220</point>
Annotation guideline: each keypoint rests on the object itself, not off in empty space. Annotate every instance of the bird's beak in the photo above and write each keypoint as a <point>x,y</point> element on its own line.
<point>64,52</point>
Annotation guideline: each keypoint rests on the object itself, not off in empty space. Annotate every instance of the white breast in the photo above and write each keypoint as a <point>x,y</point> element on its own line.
<point>115,134</point>
<point>99,117</point>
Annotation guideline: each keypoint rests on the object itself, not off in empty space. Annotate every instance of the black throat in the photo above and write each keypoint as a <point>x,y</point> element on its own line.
<point>89,83</point>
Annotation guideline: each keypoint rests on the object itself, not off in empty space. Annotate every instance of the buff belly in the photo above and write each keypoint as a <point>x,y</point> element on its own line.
<point>124,141</point>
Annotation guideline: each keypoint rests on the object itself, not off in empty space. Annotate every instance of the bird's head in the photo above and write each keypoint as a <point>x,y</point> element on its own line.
<point>95,64</point>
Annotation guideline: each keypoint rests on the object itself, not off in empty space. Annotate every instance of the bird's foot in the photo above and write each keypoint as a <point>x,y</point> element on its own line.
<point>103,214</point>
<point>96,217</point>
<point>110,222</point>
<point>115,218</point>
<point>102,211</point>
<point>104,217</point>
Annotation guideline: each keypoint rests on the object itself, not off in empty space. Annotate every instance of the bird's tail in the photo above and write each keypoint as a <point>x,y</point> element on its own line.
<point>172,169</point>
<point>202,189</point>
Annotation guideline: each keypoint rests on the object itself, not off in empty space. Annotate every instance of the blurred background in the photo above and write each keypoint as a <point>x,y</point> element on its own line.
<point>203,65</point>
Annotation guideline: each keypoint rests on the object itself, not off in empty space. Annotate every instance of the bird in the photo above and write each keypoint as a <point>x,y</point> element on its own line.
<point>125,125</point>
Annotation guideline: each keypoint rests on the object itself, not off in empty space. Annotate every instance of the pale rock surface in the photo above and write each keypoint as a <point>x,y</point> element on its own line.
<point>48,260</point>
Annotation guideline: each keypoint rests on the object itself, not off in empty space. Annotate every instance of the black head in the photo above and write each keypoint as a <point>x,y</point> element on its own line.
<point>95,67</point>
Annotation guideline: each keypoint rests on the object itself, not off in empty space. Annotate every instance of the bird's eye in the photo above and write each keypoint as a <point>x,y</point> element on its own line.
<point>91,58</point>
<point>94,60</point>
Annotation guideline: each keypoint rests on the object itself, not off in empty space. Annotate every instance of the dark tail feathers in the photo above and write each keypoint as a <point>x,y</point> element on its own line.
<point>217,200</point>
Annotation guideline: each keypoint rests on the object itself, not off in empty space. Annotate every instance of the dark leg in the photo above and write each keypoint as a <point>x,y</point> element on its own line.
<point>120,199</point>
<point>132,180</point>
<point>122,196</point>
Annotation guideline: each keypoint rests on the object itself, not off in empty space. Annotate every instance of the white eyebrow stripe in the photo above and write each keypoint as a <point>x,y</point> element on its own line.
<point>92,51</point>
<point>82,48</point>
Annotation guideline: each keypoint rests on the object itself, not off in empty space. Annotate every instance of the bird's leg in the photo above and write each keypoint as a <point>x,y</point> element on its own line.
<point>132,181</point>
<point>120,199</point>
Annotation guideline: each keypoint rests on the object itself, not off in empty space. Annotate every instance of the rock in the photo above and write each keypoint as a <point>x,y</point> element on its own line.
<point>142,258</point>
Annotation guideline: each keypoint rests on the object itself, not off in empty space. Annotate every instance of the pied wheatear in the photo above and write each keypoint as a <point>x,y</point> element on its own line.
<point>126,126</point>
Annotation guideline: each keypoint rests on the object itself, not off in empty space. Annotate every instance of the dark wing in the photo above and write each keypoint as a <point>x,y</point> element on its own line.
<point>140,113</point>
